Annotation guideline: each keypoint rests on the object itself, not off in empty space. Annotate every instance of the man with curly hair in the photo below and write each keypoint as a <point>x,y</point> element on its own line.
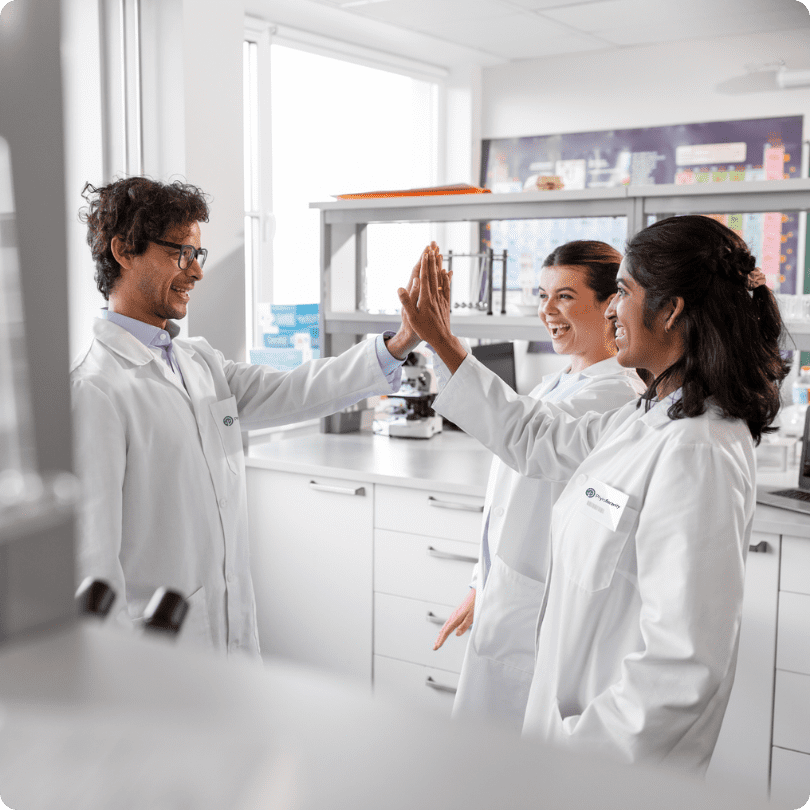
<point>159,419</point>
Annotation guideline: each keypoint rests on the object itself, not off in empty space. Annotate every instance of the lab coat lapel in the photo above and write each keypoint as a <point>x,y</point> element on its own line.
<point>197,378</point>
<point>127,346</point>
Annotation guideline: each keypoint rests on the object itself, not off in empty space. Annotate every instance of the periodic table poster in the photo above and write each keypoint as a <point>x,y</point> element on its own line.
<point>714,152</point>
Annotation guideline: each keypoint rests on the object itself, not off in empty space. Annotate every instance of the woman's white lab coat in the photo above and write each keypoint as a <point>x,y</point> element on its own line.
<point>163,469</point>
<point>637,638</point>
<point>499,659</point>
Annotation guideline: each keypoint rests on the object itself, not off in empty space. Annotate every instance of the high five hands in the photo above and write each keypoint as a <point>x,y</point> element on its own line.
<point>426,307</point>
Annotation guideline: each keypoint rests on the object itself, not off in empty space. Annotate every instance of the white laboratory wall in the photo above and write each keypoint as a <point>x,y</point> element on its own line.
<point>652,85</point>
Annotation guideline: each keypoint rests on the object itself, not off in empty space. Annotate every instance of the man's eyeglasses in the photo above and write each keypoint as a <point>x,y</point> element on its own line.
<point>187,253</point>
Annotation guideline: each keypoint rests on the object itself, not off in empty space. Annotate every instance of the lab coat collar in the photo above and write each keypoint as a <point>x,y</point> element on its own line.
<point>658,414</point>
<point>124,344</point>
<point>607,366</point>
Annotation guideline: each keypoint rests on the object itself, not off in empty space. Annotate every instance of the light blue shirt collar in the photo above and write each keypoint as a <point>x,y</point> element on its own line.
<point>152,336</point>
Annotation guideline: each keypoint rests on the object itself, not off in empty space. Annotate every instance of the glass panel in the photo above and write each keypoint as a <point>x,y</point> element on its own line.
<point>392,251</point>
<point>339,127</point>
<point>528,242</point>
<point>250,51</point>
<point>17,452</point>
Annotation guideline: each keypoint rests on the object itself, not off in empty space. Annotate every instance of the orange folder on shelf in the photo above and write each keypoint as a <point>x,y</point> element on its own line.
<point>458,188</point>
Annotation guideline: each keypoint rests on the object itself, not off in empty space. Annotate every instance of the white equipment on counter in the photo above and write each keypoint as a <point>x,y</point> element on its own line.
<point>418,390</point>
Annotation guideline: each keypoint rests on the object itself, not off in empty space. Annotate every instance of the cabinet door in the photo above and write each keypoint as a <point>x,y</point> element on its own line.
<point>311,541</point>
<point>433,689</point>
<point>743,750</point>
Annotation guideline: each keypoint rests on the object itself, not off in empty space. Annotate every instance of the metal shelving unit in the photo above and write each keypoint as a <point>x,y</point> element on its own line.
<point>344,222</point>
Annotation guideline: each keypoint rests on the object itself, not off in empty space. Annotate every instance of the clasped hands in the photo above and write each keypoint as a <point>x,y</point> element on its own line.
<point>426,309</point>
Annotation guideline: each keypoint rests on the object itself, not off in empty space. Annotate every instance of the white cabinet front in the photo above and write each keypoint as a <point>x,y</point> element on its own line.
<point>311,558</point>
<point>431,688</point>
<point>431,568</point>
<point>742,754</point>
<point>405,629</point>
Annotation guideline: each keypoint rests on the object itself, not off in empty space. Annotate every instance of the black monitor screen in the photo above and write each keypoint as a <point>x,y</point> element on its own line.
<point>500,358</point>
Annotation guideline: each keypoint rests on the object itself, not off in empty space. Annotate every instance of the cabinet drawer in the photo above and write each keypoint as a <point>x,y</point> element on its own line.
<point>436,514</point>
<point>795,571</point>
<point>791,711</point>
<point>405,629</point>
<point>793,634</point>
<point>431,568</point>
<point>398,680</point>
<point>790,778</point>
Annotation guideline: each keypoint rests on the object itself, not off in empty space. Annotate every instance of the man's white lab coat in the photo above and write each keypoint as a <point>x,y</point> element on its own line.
<point>637,639</point>
<point>163,469</point>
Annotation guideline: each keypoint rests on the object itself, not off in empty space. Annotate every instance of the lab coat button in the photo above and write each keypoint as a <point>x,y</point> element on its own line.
<point>498,511</point>
<point>581,479</point>
<point>223,502</point>
<point>230,577</point>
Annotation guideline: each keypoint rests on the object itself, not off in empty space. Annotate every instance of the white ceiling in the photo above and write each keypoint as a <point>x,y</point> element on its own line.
<point>531,29</point>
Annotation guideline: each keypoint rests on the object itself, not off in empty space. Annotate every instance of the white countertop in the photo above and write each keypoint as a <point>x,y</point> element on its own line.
<point>451,462</point>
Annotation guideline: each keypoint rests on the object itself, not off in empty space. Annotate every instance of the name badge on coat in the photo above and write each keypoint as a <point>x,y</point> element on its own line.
<point>602,503</point>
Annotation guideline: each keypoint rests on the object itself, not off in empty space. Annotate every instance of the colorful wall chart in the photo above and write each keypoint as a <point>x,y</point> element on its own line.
<point>719,151</point>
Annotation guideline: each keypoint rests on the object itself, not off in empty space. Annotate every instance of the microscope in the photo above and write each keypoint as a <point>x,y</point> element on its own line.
<point>415,419</point>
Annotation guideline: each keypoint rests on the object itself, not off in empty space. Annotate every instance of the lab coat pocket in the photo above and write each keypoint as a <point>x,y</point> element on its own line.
<point>226,420</point>
<point>196,628</point>
<point>506,620</point>
<point>589,551</point>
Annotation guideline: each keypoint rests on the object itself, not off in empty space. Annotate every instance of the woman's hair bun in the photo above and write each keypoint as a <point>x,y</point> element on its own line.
<point>735,265</point>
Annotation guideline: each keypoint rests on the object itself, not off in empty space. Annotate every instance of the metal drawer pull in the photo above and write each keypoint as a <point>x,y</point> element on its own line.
<point>761,546</point>
<point>439,687</point>
<point>337,490</point>
<point>465,507</point>
<point>434,619</point>
<point>446,555</point>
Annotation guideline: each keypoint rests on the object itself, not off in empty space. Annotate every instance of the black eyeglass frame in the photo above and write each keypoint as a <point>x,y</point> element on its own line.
<point>200,254</point>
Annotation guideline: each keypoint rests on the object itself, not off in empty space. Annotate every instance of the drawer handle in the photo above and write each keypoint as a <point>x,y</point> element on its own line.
<point>465,507</point>
<point>439,687</point>
<point>446,555</point>
<point>337,490</point>
<point>761,546</point>
<point>434,619</point>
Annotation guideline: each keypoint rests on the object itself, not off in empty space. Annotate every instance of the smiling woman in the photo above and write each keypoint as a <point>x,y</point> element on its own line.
<point>577,282</point>
<point>639,582</point>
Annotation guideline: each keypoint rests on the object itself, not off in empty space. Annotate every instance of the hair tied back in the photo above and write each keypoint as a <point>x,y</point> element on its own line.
<point>756,278</point>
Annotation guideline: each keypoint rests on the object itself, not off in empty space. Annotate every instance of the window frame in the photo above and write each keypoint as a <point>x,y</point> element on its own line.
<point>261,34</point>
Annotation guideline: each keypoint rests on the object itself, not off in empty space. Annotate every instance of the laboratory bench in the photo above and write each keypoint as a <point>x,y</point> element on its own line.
<point>362,545</point>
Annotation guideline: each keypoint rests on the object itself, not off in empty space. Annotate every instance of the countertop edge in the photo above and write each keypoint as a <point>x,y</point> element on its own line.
<point>305,468</point>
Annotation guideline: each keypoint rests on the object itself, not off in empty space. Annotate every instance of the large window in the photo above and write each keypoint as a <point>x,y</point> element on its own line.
<point>335,127</point>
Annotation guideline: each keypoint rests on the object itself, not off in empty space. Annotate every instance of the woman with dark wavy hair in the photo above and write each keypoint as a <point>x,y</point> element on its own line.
<point>637,637</point>
<point>577,282</point>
